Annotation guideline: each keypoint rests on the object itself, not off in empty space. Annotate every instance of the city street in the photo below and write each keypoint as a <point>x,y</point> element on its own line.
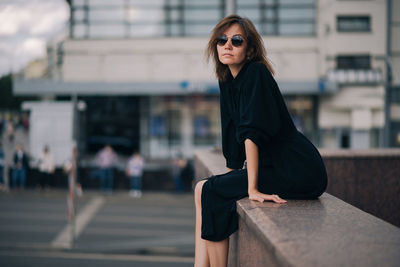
<point>110,229</point>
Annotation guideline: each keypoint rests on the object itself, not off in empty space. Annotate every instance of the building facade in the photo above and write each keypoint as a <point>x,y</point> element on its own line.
<point>138,70</point>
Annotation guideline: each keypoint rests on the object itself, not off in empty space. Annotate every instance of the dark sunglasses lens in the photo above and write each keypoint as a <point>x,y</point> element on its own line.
<point>222,40</point>
<point>237,41</point>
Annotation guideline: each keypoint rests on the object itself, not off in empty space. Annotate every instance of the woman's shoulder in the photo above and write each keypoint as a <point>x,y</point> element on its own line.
<point>255,71</point>
<point>257,68</point>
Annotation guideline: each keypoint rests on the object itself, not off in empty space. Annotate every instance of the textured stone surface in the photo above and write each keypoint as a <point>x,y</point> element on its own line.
<point>323,232</point>
<point>369,180</point>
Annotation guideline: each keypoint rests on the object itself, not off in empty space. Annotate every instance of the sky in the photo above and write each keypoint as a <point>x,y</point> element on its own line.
<point>25,27</point>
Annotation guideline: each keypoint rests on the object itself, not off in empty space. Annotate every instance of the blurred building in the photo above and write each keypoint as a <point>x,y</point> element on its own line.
<point>137,70</point>
<point>393,74</point>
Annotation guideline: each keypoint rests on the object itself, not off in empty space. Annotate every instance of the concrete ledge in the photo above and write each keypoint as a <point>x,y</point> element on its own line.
<point>367,179</point>
<point>323,232</point>
<point>362,153</point>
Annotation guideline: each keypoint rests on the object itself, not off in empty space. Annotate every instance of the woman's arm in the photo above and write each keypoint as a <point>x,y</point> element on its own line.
<point>252,165</point>
<point>252,174</point>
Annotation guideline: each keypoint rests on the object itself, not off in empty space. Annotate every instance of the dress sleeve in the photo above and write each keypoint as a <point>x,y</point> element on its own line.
<point>259,116</point>
<point>231,149</point>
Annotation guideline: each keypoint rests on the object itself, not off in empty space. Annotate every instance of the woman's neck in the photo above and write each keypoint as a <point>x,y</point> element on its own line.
<point>235,69</point>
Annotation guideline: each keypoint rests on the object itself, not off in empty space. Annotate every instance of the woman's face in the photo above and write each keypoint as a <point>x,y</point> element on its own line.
<point>233,55</point>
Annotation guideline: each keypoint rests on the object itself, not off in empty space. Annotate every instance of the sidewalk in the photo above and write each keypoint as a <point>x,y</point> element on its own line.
<point>156,230</point>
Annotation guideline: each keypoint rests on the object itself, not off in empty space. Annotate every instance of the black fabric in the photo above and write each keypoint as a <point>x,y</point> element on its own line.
<point>252,107</point>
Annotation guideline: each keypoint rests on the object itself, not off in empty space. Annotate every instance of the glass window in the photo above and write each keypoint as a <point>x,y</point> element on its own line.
<point>175,15</point>
<point>145,18</point>
<point>78,2</point>
<point>280,17</point>
<point>141,15</point>
<point>104,15</point>
<point>252,13</point>
<point>95,3</point>
<point>353,62</point>
<point>199,3</point>
<point>106,31</point>
<point>158,126</point>
<point>153,3</point>
<point>296,29</point>
<point>295,2</point>
<point>79,31</point>
<point>175,29</point>
<point>296,13</point>
<point>175,2</point>
<point>201,126</point>
<point>147,30</point>
<point>79,15</point>
<point>174,126</point>
<point>198,29</point>
<point>353,24</point>
<point>201,14</point>
<point>247,2</point>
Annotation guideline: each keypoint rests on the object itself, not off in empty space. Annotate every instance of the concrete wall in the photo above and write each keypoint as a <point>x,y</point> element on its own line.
<point>176,59</point>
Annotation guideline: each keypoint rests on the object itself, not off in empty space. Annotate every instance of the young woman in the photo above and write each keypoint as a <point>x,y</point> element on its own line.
<point>256,126</point>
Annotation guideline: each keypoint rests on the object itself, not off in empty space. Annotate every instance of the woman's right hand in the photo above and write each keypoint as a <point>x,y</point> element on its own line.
<point>260,197</point>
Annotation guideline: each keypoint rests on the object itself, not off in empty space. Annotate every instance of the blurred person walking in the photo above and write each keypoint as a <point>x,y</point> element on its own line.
<point>134,170</point>
<point>105,160</point>
<point>2,161</point>
<point>71,165</point>
<point>178,165</point>
<point>2,124</point>
<point>10,130</point>
<point>187,175</point>
<point>20,167</point>
<point>46,168</point>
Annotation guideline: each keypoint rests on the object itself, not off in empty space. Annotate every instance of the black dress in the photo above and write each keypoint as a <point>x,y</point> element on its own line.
<point>289,165</point>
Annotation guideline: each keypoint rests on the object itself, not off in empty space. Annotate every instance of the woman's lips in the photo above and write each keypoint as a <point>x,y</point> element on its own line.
<point>227,55</point>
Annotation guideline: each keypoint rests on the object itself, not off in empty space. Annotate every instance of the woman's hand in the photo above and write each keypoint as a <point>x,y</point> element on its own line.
<point>260,197</point>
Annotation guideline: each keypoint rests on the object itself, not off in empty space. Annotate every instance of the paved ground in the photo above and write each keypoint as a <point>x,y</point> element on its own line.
<point>156,230</point>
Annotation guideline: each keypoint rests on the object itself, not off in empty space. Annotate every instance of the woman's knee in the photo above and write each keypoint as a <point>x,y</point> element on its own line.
<point>197,191</point>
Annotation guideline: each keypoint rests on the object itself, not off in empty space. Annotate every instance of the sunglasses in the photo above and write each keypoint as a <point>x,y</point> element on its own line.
<point>236,40</point>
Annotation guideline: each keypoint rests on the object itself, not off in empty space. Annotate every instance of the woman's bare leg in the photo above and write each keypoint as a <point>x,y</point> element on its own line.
<point>218,252</point>
<point>201,258</point>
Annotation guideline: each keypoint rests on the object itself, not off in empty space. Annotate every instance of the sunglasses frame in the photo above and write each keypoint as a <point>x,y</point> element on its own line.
<point>236,40</point>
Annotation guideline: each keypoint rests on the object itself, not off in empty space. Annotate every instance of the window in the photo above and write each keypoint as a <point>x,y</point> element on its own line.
<point>143,18</point>
<point>107,122</point>
<point>280,17</point>
<point>353,23</point>
<point>353,62</point>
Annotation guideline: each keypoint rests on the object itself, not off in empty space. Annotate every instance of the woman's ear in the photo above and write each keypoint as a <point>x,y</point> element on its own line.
<point>249,54</point>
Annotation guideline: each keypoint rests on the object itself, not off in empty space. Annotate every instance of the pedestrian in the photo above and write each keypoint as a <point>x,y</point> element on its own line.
<point>20,167</point>
<point>281,163</point>
<point>10,130</point>
<point>46,168</point>
<point>187,175</point>
<point>105,160</point>
<point>177,166</point>
<point>71,168</point>
<point>2,184</point>
<point>134,170</point>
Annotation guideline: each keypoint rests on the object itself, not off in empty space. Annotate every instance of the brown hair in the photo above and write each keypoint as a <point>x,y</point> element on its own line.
<point>255,46</point>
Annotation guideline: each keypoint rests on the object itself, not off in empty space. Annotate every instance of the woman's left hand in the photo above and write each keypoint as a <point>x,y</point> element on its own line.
<point>260,197</point>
